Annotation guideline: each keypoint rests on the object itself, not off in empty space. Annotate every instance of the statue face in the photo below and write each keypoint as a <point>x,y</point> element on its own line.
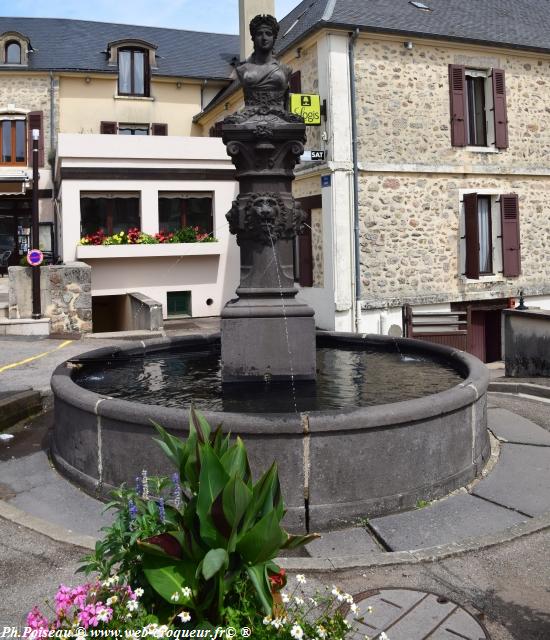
<point>264,38</point>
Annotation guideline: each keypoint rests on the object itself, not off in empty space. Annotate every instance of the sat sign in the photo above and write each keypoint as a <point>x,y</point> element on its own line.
<point>307,105</point>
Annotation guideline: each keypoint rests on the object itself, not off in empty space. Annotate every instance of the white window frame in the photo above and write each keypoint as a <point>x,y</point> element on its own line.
<point>496,237</point>
<point>489,110</point>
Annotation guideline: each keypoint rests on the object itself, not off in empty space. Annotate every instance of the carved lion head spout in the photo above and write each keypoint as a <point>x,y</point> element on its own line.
<point>265,218</point>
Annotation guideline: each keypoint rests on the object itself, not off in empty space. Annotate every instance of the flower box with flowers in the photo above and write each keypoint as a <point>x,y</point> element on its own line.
<point>187,241</point>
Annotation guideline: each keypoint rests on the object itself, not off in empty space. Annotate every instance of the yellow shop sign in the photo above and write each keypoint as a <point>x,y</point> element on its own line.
<point>307,105</point>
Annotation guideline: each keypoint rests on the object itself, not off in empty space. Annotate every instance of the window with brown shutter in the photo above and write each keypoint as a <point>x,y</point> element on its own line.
<point>478,107</point>
<point>216,130</point>
<point>159,129</point>
<point>457,94</point>
<point>501,118</point>
<point>511,257</point>
<point>35,121</point>
<point>295,82</point>
<point>472,235</point>
<point>108,127</point>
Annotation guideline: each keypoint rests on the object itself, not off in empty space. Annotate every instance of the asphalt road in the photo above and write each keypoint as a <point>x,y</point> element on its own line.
<point>506,587</point>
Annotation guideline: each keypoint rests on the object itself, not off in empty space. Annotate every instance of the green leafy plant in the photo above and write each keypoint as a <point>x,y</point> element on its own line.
<point>229,526</point>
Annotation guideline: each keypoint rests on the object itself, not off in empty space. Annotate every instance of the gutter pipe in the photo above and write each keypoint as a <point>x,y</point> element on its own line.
<point>356,233</point>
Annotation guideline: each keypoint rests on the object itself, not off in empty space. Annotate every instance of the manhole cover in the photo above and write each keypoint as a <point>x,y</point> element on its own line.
<point>403,614</point>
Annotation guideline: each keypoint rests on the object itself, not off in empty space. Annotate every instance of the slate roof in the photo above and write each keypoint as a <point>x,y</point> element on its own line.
<point>78,45</point>
<point>517,23</point>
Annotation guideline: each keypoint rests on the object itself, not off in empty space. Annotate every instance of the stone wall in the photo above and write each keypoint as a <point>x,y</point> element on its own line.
<point>410,237</point>
<point>31,93</point>
<point>66,296</point>
<point>404,113</point>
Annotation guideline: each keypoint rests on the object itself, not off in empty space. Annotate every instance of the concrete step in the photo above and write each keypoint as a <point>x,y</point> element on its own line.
<point>17,406</point>
<point>24,327</point>
<point>4,310</point>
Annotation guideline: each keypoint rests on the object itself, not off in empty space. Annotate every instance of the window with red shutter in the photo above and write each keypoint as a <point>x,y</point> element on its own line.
<point>457,94</point>
<point>511,256</point>
<point>472,235</point>
<point>478,107</point>
<point>107,127</point>
<point>159,129</point>
<point>500,111</point>
<point>295,82</point>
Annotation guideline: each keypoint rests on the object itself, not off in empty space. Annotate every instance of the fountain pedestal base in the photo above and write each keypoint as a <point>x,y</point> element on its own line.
<point>264,340</point>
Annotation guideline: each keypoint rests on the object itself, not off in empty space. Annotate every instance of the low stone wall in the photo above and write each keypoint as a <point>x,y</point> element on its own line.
<point>527,343</point>
<point>66,295</point>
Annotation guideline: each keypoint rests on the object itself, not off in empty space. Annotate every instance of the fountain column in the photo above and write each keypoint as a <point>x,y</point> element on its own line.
<point>267,333</point>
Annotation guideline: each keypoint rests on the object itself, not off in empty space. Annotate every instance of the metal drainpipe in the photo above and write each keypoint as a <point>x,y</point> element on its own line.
<point>356,234</point>
<point>52,168</point>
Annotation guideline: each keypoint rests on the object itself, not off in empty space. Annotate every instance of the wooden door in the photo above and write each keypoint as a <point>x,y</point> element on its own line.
<point>477,334</point>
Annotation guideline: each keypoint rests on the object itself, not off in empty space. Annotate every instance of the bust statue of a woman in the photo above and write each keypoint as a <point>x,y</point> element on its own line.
<point>264,79</point>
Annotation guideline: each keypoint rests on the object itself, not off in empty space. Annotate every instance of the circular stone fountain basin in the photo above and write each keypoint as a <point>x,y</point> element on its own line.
<point>337,461</point>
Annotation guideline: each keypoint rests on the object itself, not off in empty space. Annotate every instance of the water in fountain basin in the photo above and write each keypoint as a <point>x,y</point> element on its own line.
<point>346,377</point>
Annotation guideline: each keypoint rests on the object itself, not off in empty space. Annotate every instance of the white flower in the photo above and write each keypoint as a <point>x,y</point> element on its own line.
<point>111,600</point>
<point>321,632</point>
<point>301,578</point>
<point>184,616</point>
<point>175,597</point>
<point>370,609</point>
<point>285,598</point>
<point>103,615</point>
<point>132,605</point>
<point>347,624</point>
<point>277,623</point>
<point>354,608</point>
<point>298,600</point>
<point>267,620</point>
<point>128,616</point>
<point>335,591</point>
<point>383,636</point>
<point>186,591</point>
<point>348,598</point>
<point>313,601</point>
<point>161,631</point>
<point>297,632</point>
<point>138,592</point>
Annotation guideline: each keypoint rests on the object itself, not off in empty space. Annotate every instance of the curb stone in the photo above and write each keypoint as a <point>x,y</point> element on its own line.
<point>316,565</point>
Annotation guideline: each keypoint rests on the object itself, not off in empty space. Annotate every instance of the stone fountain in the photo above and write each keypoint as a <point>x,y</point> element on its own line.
<point>266,333</point>
<point>337,462</point>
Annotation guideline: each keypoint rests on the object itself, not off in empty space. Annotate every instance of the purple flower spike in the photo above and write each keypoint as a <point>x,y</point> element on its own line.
<point>145,485</point>
<point>132,510</point>
<point>162,512</point>
<point>176,490</point>
<point>139,486</point>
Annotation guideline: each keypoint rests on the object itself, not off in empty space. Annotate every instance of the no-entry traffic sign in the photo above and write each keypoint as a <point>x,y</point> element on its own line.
<point>35,257</point>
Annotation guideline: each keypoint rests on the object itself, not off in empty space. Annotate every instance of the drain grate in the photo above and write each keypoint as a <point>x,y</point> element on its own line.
<point>404,614</point>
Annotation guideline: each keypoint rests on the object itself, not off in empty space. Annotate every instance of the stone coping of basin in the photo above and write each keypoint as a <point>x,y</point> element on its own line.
<point>347,419</point>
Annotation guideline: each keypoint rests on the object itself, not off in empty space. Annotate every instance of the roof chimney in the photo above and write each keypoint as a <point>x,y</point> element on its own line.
<point>247,10</point>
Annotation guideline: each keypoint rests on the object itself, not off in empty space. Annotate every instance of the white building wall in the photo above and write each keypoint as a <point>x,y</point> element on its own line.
<point>210,271</point>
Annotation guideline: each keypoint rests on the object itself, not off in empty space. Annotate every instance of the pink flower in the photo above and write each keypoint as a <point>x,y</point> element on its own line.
<point>36,621</point>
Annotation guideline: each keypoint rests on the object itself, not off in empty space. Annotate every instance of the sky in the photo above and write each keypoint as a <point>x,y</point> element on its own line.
<point>217,16</point>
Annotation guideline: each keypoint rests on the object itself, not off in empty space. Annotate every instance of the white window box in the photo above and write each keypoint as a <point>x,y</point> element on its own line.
<point>180,249</point>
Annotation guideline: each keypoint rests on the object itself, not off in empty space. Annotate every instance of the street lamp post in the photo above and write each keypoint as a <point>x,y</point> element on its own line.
<point>36,306</point>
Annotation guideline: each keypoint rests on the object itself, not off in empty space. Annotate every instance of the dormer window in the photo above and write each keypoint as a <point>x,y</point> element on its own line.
<point>133,72</point>
<point>14,48</point>
<point>13,53</point>
<point>134,59</point>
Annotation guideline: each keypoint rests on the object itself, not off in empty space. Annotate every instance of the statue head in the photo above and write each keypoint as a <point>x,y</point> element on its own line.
<point>264,30</point>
